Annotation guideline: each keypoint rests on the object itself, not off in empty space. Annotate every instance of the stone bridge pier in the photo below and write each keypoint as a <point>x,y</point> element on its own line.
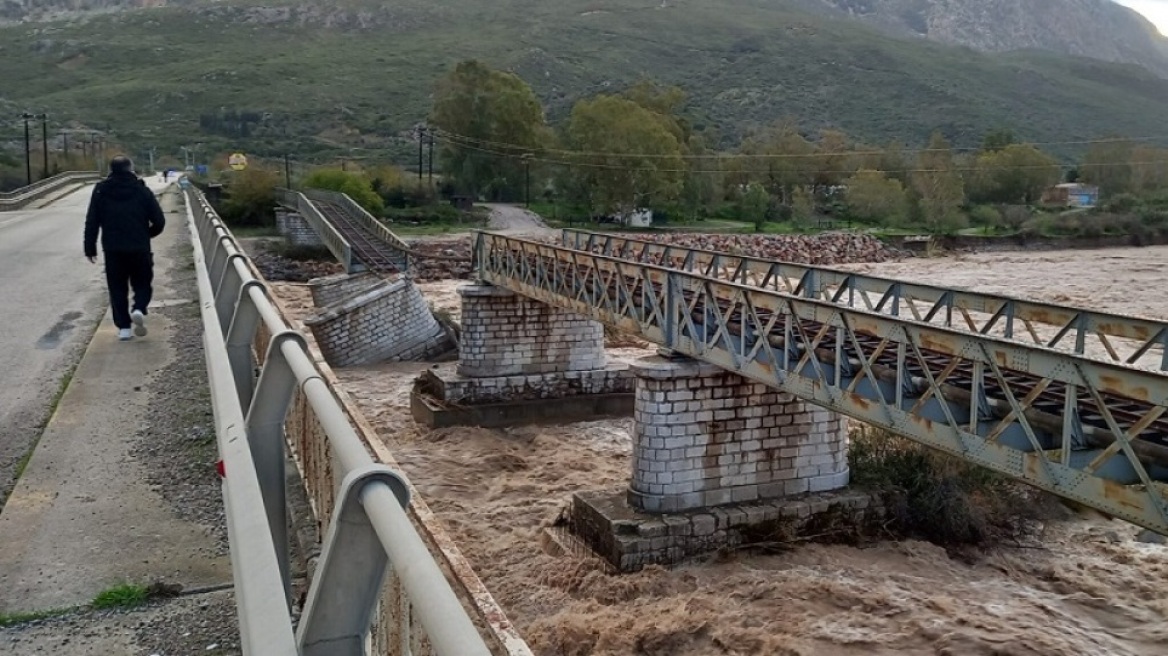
<point>706,437</point>
<point>718,461</point>
<point>522,361</point>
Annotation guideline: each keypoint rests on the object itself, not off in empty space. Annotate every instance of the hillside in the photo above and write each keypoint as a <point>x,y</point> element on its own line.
<point>1089,28</point>
<point>357,74</point>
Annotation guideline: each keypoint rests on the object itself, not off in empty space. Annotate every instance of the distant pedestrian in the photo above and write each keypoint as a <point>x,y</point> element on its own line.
<point>125,212</point>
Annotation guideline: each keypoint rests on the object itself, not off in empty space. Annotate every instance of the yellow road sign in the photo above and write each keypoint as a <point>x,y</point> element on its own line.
<point>237,161</point>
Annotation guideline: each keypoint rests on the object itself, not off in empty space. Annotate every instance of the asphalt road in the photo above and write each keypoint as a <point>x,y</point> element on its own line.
<point>51,298</point>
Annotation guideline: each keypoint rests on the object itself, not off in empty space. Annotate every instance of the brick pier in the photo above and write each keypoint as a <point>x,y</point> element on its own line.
<point>295,229</point>
<point>384,320</point>
<point>707,437</point>
<point>516,354</point>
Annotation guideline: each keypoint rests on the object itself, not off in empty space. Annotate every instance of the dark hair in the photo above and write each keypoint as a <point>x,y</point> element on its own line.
<point>121,164</point>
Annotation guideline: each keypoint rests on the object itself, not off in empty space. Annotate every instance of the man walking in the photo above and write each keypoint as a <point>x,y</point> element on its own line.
<point>128,216</point>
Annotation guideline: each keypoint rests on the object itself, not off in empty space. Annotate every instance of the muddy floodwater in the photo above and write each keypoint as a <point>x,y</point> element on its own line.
<point>1087,589</point>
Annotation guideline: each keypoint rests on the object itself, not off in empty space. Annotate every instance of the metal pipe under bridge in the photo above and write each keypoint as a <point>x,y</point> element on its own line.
<point>1066,399</point>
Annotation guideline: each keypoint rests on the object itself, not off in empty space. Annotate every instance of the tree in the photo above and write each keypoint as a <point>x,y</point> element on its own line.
<point>754,204</point>
<point>996,140</point>
<point>832,162</point>
<point>628,156</point>
<point>700,188</point>
<point>802,206</point>
<point>1013,174</point>
<point>489,120</point>
<point>666,102</point>
<point>251,197</point>
<point>940,187</point>
<point>1149,168</point>
<point>1108,165</point>
<point>872,197</point>
<point>356,185</point>
<point>784,158</point>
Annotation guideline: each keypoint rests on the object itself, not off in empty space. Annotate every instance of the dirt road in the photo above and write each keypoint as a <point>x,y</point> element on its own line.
<point>517,222</point>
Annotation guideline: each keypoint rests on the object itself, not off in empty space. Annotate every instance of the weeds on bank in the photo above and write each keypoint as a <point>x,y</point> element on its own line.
<point>937,497</point>
<point>123,595</point>
<point>12,619</point>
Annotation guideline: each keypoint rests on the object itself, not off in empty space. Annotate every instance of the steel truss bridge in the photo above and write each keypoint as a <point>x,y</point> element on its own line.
<point>1069,400</point>
<point>973,375</point>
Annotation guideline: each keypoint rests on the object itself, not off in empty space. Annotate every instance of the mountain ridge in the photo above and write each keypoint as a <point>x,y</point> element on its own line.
<point>1100,29</point>
<point>358,74</point>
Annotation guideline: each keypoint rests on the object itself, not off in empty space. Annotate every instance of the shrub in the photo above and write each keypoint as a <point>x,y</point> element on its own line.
<point>356,185</point>
<point>940,498</point>
<point>985,216</point>
<point>250,198</point>
<point>1120,204</point>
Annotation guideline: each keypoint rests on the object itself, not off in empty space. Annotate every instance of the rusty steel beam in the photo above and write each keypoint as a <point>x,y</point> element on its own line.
<point>1099,335</point>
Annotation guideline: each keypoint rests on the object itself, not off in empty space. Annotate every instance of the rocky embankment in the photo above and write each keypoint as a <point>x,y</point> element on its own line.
<point>825,250</point>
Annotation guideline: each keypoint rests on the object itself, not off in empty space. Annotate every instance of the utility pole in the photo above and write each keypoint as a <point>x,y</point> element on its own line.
<point>45,143</point>
<point>151,153</point>
<point>27,156</point>
<point>421,134</point>
<point>527,180</point>
<point>431,159</point>
<point>65,143</point>
<point>287,172</point>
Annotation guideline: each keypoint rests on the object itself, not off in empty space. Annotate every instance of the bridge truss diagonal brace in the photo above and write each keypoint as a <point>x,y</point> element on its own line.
<point>353,563</point>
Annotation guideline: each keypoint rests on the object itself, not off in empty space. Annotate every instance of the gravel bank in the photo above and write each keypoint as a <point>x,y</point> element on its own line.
<point>202,624</point>
<point>177,443</point>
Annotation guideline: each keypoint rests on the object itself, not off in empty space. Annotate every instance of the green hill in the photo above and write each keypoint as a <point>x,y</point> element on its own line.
<point>355,77</point>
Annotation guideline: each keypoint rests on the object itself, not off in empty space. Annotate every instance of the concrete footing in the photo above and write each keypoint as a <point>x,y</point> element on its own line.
<point>442,397</point>
<point>629,539</point>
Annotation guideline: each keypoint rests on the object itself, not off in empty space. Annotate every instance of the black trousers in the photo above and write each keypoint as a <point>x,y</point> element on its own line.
<point>125,270</point>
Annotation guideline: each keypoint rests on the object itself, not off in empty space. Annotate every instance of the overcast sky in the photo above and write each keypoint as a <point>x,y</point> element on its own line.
<point>1155,10</point>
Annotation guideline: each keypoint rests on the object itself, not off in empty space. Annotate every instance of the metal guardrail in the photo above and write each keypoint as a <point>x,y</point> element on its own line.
<point>1085,430</point>
<point>1106,336</point>
<point>333,240</point>
<point>372,555</point>
<point>18,198</point>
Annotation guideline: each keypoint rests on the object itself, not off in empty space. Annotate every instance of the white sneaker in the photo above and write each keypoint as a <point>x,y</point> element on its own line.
<point>139,320</point>
<point>124,335</point>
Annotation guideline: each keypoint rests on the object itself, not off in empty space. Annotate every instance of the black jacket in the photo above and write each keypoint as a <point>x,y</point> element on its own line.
<point>126,213</point>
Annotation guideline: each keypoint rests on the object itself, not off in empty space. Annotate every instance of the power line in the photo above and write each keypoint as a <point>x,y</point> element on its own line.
<point>620,167</point>
<point>451,136</point>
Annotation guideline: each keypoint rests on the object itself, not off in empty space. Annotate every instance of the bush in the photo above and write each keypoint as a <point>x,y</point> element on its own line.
<point>940,498</point>
<point>250,198</point>
<point>1121,204</point>
<point>1015,216</point>
<point>356,185</point>
<point>427,214</point>
<point>985,216</point>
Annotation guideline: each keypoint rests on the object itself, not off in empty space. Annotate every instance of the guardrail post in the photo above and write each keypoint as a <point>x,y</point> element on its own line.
<point>351,571</point>
<point>227,292</point>
<point>265,431</point>
<point>239,341</point>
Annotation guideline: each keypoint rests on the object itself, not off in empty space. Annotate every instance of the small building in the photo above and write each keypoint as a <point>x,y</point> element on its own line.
<point>1071,194</point>
<point>636,218</point>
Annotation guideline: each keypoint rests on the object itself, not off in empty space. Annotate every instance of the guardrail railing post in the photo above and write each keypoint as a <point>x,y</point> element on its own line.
<point>239,338</point>
<point>351,571</point>
<point>265,431</point>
